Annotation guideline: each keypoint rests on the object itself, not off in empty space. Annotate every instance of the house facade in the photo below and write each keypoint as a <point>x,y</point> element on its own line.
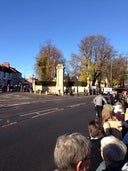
<point>9,76</point>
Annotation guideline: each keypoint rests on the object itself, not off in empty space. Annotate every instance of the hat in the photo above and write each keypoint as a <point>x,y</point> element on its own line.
<point>108,108</point>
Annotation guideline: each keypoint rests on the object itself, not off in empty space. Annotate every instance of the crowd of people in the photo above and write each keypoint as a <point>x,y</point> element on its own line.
<point>106,148</point>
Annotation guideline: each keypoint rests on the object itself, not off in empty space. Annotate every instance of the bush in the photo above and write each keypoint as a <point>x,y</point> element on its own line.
<point>46,83</point>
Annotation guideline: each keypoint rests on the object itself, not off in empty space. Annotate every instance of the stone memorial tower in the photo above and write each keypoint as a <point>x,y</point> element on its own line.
<point>60,79</point>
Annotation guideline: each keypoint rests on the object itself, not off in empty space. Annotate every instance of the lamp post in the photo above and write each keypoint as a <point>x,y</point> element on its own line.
<point>111,84</point>
<point>33,83</point>
<point>77,85</point>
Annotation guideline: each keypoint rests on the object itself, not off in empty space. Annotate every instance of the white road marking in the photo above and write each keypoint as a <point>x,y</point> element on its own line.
<point>76,105</point>
<point>52,111</point>
<point>9,124</point>
<point>38,112</point>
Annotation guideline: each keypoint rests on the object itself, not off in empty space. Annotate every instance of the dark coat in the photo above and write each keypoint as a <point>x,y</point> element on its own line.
<point>95,157</point>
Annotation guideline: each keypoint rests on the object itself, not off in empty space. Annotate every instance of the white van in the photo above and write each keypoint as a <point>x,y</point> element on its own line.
<point>107,90</point>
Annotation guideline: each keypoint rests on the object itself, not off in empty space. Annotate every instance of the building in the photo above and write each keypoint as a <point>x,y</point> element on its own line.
<point>9,76</point>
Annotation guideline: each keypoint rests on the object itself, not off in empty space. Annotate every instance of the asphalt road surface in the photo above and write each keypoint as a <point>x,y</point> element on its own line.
<point>30,125</point>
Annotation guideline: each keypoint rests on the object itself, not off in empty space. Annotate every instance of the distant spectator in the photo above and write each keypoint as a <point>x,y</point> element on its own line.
<point>99,101</point>
<point>125,99</point>
<point>84,91</point>
<point>119,111</point>
<point>114,98</point>
<point>72,152</point>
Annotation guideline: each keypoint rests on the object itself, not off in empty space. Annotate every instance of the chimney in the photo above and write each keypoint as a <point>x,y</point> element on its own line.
<point>6,64</point>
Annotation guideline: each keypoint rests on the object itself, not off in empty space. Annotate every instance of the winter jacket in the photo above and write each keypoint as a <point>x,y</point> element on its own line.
<point>113,127</point>
<point>99,100</point>
<point>119,166</point>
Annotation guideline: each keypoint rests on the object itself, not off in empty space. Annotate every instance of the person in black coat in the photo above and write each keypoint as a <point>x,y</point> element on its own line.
<point>96,133</point>
<point>114,97</point>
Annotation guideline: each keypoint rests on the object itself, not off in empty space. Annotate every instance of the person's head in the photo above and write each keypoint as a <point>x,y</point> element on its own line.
<point>114,93</point>
<point>107,112</point>
<point>112,149</point>
<point>118,107</point>
<point>71,152</point>
<point>95,129</point>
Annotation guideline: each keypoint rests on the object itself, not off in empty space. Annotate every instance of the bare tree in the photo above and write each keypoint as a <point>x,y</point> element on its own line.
<point>119,70</point>
<point>75,63</point>
<point>95,54</point>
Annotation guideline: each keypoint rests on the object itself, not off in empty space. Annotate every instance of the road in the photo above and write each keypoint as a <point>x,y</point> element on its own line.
<point>30,125</point>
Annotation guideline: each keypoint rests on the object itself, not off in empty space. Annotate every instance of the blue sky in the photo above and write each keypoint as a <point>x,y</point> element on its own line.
<point>26,24</point>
